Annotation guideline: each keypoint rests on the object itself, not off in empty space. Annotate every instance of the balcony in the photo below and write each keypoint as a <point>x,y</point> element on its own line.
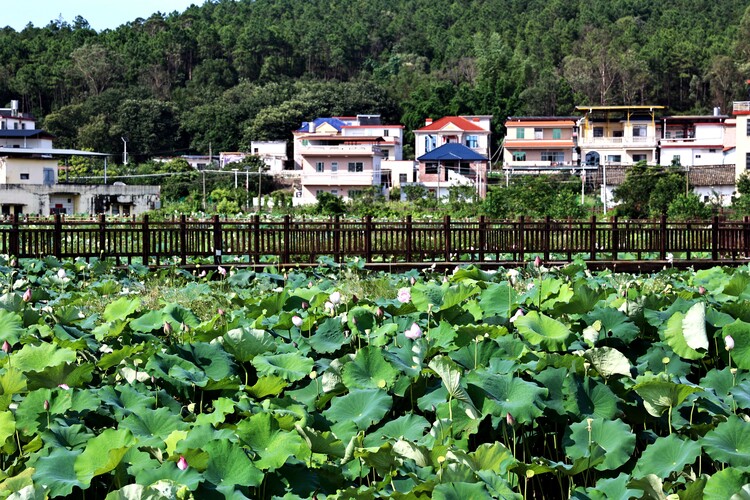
<point>618,142</point>
<point>741,107</point>
<point>341,178</point>
<point>341,150</point>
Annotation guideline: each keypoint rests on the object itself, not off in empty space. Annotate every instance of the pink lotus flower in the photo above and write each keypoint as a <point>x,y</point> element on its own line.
<point>537,262</point>
<point>61,273</point>
<point>404,295</point>
<point>182,464</point>
<point>65,387</point>
<point>518,314</point>
<point>297,321</point>
<point>509,419</point>
<point>701,290</point>
<point>6,347</point>
<point>728,343</point>
<point>221,271</point>
<point>414,332</point>
<point>220,311</point>
<point>305,305</point>
<point>167,328</point>
<point>379,312</point>
<point>27,295</point>
<point>412,280</point>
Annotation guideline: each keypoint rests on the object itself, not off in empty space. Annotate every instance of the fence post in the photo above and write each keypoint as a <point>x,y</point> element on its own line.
<point>409,238</point>
<point>57,236</point>
<point>102,236</point>
<point>217,240</point>
<point>715,238</point>
<point>15,238</point>
<point>547,230</point>
<point>285,248</point>
<point>368,238</point>
<point>183,239</point>
<point>256,240</point>
<point>146,243</point>
<point>615,238</point>
<point>337,238</point>
<point>521,239</point>
<point>746,235</point>
<point>592,239</point>
<point>663,237</point>
<point>447,237</point>
<point>482,237</point>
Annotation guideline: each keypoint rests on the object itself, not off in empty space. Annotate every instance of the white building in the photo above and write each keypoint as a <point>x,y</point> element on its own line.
<point>29,180</point>
<point>273,154</point>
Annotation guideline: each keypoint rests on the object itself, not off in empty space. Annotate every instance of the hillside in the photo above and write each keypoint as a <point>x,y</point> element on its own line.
<point>227,72</point>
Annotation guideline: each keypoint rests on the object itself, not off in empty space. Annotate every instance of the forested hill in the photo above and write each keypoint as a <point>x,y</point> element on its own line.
<point>228,72</point>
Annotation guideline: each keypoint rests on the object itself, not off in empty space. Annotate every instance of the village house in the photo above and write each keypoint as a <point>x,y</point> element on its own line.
<point>453,151</point>
<point>29,182</point>
<point>344,156</point>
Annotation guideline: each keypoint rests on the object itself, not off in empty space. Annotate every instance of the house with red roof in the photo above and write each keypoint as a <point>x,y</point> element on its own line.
<point>452,151</point>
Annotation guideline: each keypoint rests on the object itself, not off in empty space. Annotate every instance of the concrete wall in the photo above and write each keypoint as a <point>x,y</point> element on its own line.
<point>11,170</point>
<point>80,198</point>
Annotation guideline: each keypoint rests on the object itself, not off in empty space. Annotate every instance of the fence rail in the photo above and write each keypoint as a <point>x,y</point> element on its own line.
<point>291,242</point>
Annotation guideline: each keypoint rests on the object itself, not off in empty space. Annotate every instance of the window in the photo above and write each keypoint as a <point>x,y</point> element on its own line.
<point>747,128</point>
<point>472,141</point>
<point>385,133</point>
<point>334,166</point>
<point>556,133</point>
<point>335,192</point>
<point>617,133</point>
<point>15,126</point>
<point>385,154</point>
<point>318,193</point>
<point>356,166</point>
<point>676,160</point>
<point>320,166</point>
<point>24,177</point>
<point>23,126</point>
<point>256,151</point>
<point>429,143</point>
<point>614,158</point>
<point>538,134</point>
<point>519,156</point>
<point>598,131</point>
<point>520,133</point>
<point>355,193</point>
<point>640,131</point>
<point>711,150</point>
<point>431,168</point>
<point>402,178</point>
<point>553,156</point>
<point>464,168</point>
<point>637,158</point>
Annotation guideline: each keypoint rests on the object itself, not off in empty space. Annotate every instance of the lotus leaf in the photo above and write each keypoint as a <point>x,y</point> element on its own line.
<point>543,331</point>
<point>615,437</point>
<point>729,442</point>
<point>273,446</point>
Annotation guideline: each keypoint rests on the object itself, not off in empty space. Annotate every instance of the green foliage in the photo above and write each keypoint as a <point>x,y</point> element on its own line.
<point>649,191</point>
<point>535,197</point>
<point>330,204</point>
<point>688,207</point>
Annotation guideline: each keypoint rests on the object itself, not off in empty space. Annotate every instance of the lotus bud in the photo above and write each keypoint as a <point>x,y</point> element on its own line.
<point>701,290</point>
<point>64,387</point>
<point>519,313</point>
<point>220,311</point>
<point>379,312</point>
<point>182,464</point>
<point>221,271</point>
<point>6,347</point>
<point>537,262</point>
<point>13,262</point>
<point>27,295</point>
<point>167,328</point>
<point>335,298</point>
<point>509,419</point>
<point>184,327</point>
<point>305,305</point>
<point>414,332</point>
<point>728,343</point>
<point>313,375</point>
<point>202,274</point>
<point>297,321</point>
<point>412,280</point>
<point>46,405</point>
<point>355,299</point>
<point>61,273</point>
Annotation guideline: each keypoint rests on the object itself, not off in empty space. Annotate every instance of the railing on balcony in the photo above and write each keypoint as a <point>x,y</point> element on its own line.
<point>341,178</point>
<point>617,141</point>
<point>341,149</point>
<point>741,106</point>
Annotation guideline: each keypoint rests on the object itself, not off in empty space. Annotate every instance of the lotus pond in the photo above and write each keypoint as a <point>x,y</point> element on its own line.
<point>336,382</point>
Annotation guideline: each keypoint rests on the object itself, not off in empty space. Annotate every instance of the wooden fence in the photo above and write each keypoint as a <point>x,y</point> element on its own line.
<point>294,242</point>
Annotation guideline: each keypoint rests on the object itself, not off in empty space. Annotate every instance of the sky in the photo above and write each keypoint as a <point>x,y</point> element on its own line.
<point>101,14</point>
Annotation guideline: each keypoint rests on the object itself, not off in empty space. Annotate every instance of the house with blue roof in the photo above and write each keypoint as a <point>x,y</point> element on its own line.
<point>344,156</point>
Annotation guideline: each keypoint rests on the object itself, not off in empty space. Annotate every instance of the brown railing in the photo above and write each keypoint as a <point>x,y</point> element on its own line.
<point>289,241</point>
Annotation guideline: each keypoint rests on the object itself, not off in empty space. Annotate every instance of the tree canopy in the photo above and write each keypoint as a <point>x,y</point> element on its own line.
<point>224,73</point>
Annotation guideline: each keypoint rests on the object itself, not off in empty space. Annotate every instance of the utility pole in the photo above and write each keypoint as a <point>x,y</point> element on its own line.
<point>203,172</point>
<point>247,188</point>
<point>260,176</point>
<point>124,152</point>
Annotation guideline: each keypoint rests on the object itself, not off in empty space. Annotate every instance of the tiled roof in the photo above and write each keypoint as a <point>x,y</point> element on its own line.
<point>450,152</point>
<point>457,121</point>
<point>332,121</point>
<point>700,176</point>
<point>14,134</point>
